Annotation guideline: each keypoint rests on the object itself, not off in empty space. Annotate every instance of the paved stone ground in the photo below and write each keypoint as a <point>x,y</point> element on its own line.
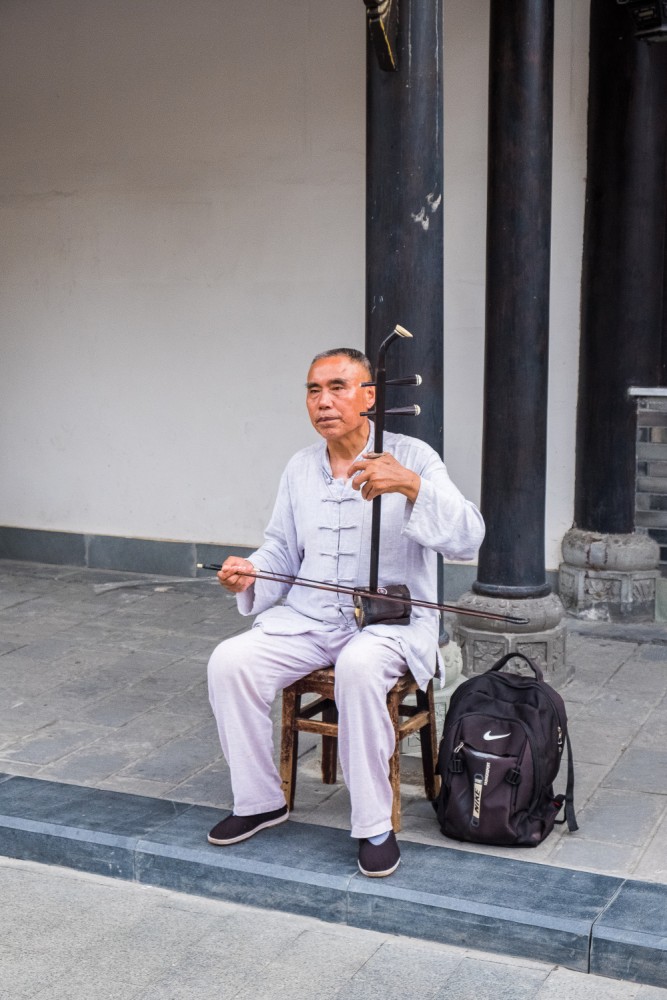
<point>68,936</point>
<point>105,685</point>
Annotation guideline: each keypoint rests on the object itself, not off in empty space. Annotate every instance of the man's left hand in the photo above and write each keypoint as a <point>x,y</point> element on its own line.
<point>378,474</point>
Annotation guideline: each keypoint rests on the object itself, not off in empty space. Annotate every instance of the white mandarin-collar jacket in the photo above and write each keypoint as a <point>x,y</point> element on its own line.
<point>321,529</point>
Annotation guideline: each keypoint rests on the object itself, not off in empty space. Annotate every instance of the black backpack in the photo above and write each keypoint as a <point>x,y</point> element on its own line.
<point>500,752</point>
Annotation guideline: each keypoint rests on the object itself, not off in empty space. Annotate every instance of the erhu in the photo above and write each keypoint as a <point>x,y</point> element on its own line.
<point>371,608</point>
<point>376,605</point>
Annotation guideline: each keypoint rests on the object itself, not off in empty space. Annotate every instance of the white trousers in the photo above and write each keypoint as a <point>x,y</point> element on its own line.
<point>246,672</point>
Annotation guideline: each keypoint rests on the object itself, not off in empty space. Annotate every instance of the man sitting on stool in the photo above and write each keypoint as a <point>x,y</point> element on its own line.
<point>321,529</point>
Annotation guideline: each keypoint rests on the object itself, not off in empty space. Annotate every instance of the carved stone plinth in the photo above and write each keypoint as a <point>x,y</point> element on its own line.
<point>609,577</point>
<point>543,638</point>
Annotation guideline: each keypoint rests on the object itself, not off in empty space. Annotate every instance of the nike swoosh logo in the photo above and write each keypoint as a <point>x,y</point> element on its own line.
<point>500,736</point>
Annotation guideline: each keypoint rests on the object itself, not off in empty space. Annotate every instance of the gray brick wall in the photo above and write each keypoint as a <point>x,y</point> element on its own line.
<point>651,481</point>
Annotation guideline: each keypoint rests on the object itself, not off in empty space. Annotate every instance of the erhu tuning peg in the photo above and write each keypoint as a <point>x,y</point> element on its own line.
<point>406,380</point>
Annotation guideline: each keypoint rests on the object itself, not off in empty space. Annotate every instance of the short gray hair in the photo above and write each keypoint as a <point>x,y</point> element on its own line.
<point>349,352</point>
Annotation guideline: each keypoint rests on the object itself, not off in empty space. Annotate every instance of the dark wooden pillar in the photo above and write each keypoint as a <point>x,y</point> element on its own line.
<point>663,353</point>
<point>517,299</point>
<point>404,230</point>
<point>623,277</point>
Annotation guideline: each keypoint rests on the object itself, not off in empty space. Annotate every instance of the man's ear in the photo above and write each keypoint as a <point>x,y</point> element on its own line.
<point>370,397</point>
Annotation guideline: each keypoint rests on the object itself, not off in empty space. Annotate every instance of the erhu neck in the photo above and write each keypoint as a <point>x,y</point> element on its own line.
<point>378,415</point>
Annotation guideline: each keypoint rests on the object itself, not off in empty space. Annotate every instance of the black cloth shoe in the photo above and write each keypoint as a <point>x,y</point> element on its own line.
<point>379,860</point>
<point>236,828</point>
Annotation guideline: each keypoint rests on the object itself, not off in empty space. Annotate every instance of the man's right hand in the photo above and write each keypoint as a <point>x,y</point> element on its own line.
<point>229,575</point>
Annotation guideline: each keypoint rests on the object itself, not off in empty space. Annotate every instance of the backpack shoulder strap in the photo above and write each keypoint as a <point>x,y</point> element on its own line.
<point>568,799</point>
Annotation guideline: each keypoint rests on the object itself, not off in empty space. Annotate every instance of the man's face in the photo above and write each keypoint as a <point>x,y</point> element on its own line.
<point>335,397</point>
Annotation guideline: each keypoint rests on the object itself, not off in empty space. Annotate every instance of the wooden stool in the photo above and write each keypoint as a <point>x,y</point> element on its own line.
<point>418,718</point>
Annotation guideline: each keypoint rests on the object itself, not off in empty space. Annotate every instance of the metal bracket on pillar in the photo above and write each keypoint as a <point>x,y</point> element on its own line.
<point>383,27</point>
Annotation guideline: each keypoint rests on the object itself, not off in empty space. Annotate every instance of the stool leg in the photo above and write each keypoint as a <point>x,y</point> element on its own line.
<point>427,737</point>
<point>395,766</point>
<point>329,746</point>
<point>289,745</point>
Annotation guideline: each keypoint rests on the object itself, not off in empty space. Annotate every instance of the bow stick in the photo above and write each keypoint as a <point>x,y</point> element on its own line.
<point>299,581</point>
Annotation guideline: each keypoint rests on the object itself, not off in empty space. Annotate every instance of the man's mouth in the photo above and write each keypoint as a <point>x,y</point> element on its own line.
<point>327,420</point>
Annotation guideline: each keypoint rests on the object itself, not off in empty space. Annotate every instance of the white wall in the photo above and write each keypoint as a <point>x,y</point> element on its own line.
<point>569,184</point>
<point>182,223</point>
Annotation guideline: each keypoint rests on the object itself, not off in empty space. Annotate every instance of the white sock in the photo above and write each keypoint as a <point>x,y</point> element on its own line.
<point>379,838</point>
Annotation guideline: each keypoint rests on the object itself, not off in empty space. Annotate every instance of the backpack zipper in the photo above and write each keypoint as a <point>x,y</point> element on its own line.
<point>537,763</point>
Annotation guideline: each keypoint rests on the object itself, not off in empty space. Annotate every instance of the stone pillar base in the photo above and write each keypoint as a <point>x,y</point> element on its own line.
<point>543,638</point>
<point>609,577</point>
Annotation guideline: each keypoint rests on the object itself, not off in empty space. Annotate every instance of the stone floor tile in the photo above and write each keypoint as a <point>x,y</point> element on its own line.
<point>478,979</point>
<point>640,769</point>
<point>194,698</point>
<point>53,742</point>
<point>19,768</point>
<point>173,762</point>
<point>76,984</point>
<point>117,959</point>
<point>620,709</point>
<point>289,976</point>
<point>201,977</point>
<point>334,811</point>
<point>151,730</point>
<point>310,797</point>
<point>120,707</point>
<point>655,653</point>
<point>7,646</point>
<point>420,831</point>
<point>22,979</point>
<point>620,817</point>
<point>587,682</point>
<point>596,856</point>
<point>49,650</point>
<point>643,676</point>
<point>379,978</point>
<point>593,743</point>
<point>599,654</point>
<point>587,779</point>
<point>169,682</point>
<point>177,645</point>
<point>76,692</point>
<point>29,678</point>
<point>21,716</point>
<point>206,729</point>
<point>107,635</point>
<point>237,930</point>
<point>654,731</point>
<point>133,667</point>
<point>209,787</point>
<point>563,984</point>
<point>120,782</point>
<point>88,766</point>
<point>652,865</point>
